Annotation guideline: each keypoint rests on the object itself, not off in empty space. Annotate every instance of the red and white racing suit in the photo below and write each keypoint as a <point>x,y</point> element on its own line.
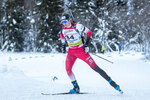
<point>76,50</point>
<point>76,47</point>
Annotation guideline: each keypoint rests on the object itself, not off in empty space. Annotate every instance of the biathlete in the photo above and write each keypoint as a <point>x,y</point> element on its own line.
<point>71,33</point>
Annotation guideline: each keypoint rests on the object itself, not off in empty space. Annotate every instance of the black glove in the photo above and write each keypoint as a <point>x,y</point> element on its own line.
<point>63,48</point>
<point>87,42</point>
<point>86,48</point>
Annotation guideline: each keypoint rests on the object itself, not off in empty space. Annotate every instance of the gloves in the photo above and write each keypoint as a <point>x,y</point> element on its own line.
<point>86,48</point>
<point>63,48</point>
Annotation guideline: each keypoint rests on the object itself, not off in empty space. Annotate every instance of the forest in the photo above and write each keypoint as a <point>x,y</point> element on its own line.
<point>34,25</point>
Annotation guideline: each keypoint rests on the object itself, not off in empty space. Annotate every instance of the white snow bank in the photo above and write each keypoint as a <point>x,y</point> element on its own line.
<point>7,72</point>
<point>24,76</point>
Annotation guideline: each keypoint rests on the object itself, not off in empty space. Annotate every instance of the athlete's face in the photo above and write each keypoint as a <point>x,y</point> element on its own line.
<point>66,23</point>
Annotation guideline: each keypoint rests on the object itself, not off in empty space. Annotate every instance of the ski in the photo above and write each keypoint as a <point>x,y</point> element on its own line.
<point>63,93</point>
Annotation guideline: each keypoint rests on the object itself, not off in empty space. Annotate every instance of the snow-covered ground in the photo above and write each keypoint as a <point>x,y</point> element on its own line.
<point>24,76</point>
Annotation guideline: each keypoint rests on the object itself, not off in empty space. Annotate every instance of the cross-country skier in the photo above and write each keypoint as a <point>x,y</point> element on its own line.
<point>71,33</point>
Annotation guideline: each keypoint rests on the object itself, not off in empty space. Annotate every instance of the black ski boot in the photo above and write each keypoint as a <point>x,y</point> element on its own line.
<point>76,88</point>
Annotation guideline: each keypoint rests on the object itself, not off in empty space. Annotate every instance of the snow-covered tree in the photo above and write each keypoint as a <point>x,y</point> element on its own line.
<point>33,25</point>
<point>2,22</point>
<point>48,24</point>
<point>14,26</point>
<point>32,18</point>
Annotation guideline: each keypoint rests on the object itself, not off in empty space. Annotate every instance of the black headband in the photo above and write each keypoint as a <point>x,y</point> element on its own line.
<point>65,17</point>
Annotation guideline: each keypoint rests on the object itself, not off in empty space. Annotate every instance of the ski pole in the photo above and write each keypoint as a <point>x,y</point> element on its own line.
<point>102,58</point>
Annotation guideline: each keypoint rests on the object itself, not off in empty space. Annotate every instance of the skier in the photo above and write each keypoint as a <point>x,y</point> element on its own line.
<point>119,48</point>
<point>71,33</point>
<point>103,49</point>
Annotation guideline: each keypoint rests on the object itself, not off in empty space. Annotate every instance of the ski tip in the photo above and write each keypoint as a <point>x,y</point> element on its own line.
<point>45,94</point>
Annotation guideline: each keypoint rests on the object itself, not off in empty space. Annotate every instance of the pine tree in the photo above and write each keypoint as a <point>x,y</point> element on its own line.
<point>2,21</point>
<point>14,26</point>
<point>47,39</point>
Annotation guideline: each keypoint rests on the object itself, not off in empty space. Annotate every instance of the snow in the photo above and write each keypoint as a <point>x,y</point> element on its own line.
<point>38,3</point>
<point>32,21</point>
<point>24,76</point>
<point>14,21</point>
<point>47,16</point>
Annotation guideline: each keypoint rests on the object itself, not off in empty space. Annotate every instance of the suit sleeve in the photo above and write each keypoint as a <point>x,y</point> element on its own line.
<point>62,38</point>
<point>84,29</point>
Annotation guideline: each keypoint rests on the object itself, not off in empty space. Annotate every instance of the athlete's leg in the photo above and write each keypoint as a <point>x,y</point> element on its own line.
<point>89,60</point>
<point>69,64</point>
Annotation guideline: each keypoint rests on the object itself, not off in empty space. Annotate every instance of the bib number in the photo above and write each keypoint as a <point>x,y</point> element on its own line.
<point>69,37</point>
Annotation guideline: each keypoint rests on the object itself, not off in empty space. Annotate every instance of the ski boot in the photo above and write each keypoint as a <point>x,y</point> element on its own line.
<point>117,87</point>
<point>76,88</point>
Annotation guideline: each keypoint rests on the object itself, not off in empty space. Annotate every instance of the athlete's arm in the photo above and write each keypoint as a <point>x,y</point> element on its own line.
<point>63,43</point>
<point>85,30</point>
